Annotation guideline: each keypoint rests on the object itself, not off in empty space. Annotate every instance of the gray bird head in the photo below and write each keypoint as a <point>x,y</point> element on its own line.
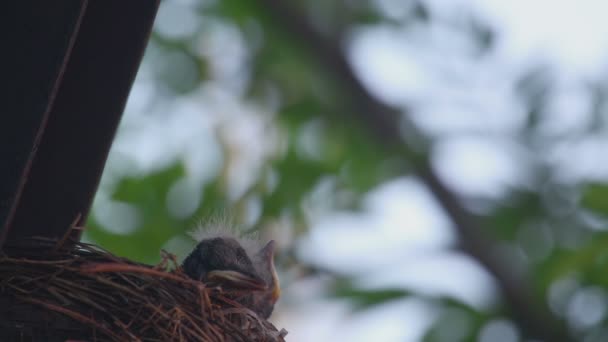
<point>222,261</point>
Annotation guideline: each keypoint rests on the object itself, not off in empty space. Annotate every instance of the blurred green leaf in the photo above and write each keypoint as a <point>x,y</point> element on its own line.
<point>150,190</point>
<point>148,194</point>
<point>595,197</point>
<point>521,207</point>
<point>364,298</point>
<point>456,322</point>
<point>589,262</point>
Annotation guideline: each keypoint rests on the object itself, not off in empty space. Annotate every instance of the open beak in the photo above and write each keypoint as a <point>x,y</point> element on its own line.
<point>266,254</point>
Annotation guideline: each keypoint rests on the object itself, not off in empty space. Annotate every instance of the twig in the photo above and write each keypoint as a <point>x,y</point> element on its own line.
<point>530,314</point>
<point>74,315</point>
<point>68,233</point>
<point>112,267</point>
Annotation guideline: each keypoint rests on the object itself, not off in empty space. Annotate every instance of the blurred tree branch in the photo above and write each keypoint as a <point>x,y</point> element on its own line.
<point>528,312</point>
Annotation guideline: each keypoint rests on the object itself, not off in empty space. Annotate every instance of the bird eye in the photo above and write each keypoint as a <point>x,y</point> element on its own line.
<point>241,256</point>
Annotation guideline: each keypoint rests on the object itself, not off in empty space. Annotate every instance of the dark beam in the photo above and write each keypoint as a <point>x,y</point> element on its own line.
<point>90,100</point>
<point>37,39</point>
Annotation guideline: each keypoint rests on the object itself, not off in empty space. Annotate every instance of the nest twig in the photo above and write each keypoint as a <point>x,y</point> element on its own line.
<point>86,293</point>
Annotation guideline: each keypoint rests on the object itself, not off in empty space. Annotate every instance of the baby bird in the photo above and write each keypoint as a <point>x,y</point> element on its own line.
<point>224,262</point>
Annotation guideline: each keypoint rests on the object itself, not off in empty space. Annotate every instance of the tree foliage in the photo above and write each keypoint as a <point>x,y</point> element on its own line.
<point>551,224</point>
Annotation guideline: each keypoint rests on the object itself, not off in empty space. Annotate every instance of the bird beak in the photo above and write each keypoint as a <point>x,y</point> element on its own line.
<point>236,279</point>
<point>266,254</point>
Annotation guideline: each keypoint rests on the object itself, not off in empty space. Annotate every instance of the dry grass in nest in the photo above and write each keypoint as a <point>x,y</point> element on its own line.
<point>86,293</point>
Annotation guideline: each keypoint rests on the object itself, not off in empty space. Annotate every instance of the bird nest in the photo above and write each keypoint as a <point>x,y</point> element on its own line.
<point>48,293</point>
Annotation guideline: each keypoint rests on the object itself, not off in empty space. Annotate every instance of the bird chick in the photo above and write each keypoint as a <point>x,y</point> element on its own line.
<point>222,261</point>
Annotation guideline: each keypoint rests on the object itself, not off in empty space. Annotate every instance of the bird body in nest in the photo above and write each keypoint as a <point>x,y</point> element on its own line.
<point>224,262</point>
